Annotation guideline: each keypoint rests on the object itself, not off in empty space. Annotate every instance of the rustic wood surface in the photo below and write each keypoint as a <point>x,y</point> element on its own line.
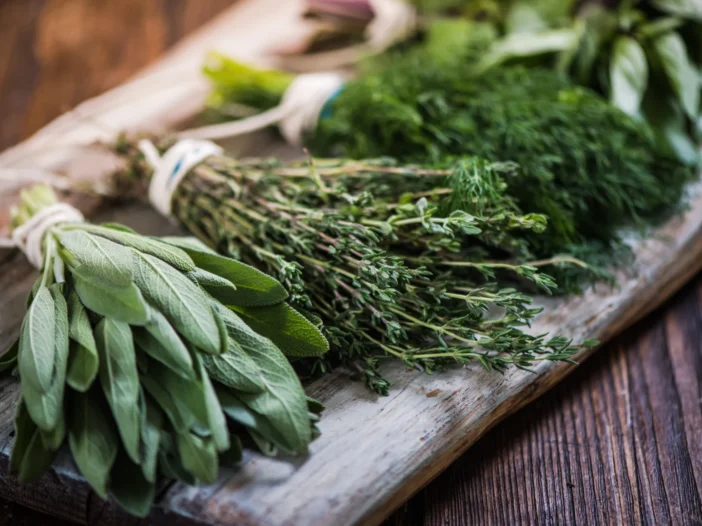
<point>617,443</point>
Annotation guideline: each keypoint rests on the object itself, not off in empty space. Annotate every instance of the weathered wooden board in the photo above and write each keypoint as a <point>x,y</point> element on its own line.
<point>374,452</point>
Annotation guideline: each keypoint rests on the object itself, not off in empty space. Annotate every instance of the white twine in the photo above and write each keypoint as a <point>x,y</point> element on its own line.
<point>297,113</point>
<point>170,169</point>
<point>393,21</point>
<point>28,237</point>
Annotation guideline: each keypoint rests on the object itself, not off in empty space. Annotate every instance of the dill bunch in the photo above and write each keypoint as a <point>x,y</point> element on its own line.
<point>426,265</point>
<point>584,164</point>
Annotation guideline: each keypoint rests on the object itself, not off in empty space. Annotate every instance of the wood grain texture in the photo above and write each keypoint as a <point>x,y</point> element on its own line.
<point>525,481</point>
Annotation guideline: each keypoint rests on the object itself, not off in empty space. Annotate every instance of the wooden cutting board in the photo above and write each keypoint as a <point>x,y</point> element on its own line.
<point>374,452</point>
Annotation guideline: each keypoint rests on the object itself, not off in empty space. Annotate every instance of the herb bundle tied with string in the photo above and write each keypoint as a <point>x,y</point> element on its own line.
<point>427,265</point>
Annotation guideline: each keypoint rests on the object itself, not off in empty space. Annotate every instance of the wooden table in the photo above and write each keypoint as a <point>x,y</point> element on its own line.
<point>619,442</point>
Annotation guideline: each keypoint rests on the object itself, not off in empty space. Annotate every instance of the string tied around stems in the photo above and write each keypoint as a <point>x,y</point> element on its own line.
<point>298,112</point>
<point>29,236</point>
<point>170,168</point>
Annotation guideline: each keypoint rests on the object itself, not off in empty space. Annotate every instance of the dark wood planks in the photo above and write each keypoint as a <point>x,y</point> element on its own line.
<point>616,443</point>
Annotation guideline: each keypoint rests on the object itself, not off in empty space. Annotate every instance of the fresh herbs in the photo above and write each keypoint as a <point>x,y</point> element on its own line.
<point>149,358</point>
<point>409,262</point>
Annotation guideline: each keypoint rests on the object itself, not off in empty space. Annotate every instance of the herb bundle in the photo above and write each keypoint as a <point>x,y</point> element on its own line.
<point>409,262</point>
<point>146,356</point>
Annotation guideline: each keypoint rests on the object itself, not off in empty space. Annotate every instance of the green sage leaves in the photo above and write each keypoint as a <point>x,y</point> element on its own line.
<point>115,360</point>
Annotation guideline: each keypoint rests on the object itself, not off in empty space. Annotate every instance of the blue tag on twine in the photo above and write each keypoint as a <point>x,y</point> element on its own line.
<point>327,109</point>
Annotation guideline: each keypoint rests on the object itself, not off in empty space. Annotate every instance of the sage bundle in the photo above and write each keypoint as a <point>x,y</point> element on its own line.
<point>426,265</point>
<point>147,356</point>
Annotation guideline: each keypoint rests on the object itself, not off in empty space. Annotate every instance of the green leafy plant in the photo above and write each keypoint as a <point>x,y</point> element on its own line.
<point>139,353</point>
<point>415,263</point>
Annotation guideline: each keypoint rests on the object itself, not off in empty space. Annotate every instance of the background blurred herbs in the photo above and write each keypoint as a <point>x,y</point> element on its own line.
<point>421,264</point>
<point>129,355</point>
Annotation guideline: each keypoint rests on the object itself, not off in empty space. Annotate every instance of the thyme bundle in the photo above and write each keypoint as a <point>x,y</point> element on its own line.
<point>415,263</point>
<point>129,355</point>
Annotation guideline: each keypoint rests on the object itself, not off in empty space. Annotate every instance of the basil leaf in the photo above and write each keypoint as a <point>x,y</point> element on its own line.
<point>93,440</point>
<point>8,360</point>
<point>218,287</point>
<point>37,342</point>
<point>159,340</point>
<point>124,304</point>
<point>682,75</point>
<point>120,380</point>
<point>628,74</point>
<point>106,260</point>
<point>181,301</point>
<point>685,8</point>
<point>46,408</point>
<point>253,287</point>
<point>235,369</point>
<point>130,488</point>
<point>151,424</point>
<point>199,457</point>
<point>174,256</point>
<point>289,330</point>
<point>284,402</point>
<point>83,360</point>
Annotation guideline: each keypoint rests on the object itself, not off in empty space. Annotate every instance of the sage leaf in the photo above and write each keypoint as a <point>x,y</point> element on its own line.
<point>232,456</point>
<point>681,73</point>
<point>106,260</point>
<point>83,360</point>
<point>130,488</point>
<point>181,301</point>
<point>46,408</point>
<point>118,226</point>
<point>93,440</point>
<point>151,424</point>
<point>235,369</point>
<point>53,439</point>
<point>215,417</point>
<point>199,457</point>
<point>29,457</point>
<point>188,243</point>
<point>265,446</point>
<point>289,330</point>
<point>169,461</point>
<point>315,405</point>
<point>167,253</point>
<point>628,74</point>
<point>8,360</point>
<point>120,380</point>
<point>253,287</point>
<point>283,402</point>
<point>242,414</point>
<point>684,8</point>
<point>159,340</point>
<point>218,287</point>
<point>124,304</point>
<point>37,345</point>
